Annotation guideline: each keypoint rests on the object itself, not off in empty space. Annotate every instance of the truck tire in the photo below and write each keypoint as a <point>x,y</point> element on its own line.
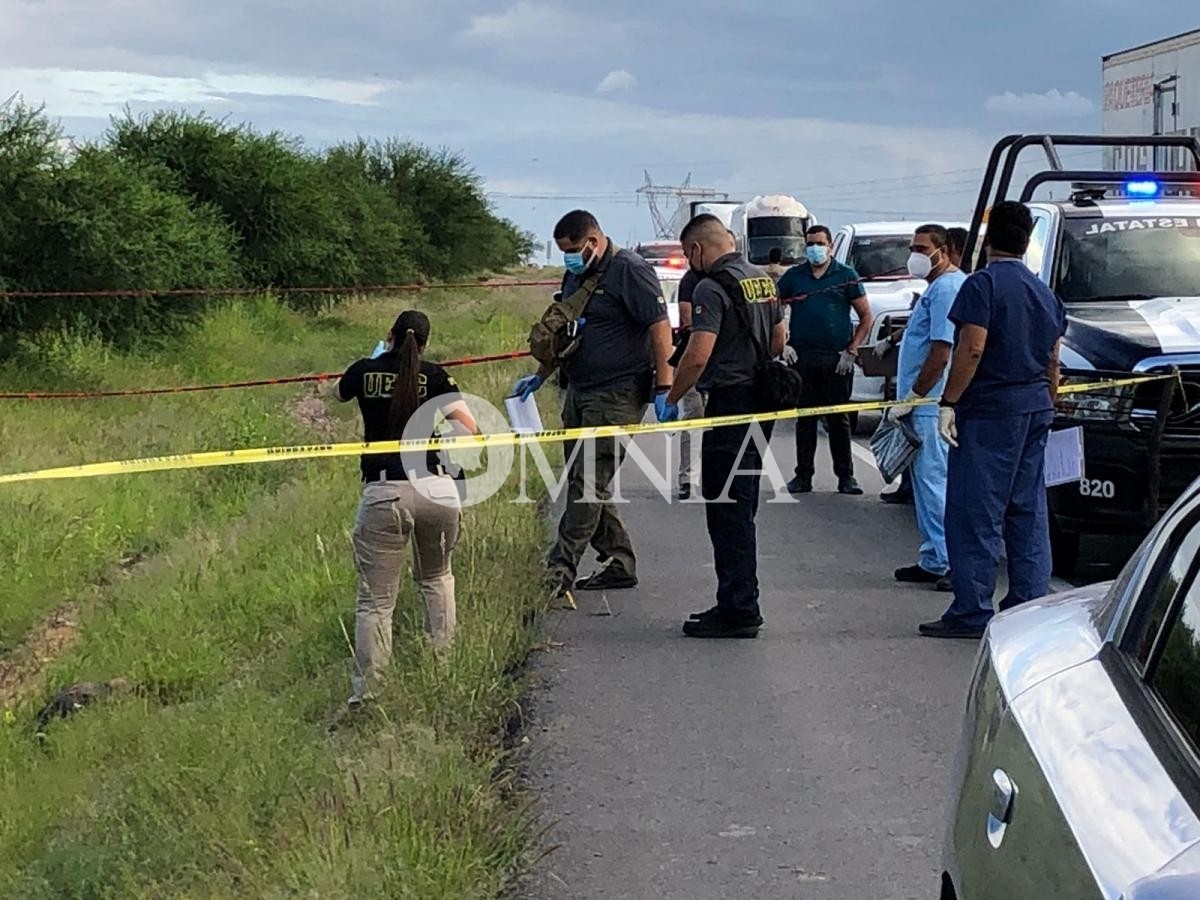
<point>1064,549</point>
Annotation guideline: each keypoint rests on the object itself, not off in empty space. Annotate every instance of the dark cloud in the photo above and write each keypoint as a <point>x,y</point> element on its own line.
<point>750,96</point>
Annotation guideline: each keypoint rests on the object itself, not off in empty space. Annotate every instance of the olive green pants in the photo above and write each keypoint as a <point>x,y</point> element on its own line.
<point>392,515</point>
<point>590,516</point>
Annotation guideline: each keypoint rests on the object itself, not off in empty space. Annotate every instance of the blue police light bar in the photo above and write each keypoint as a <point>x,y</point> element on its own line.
<point>1145,188</point>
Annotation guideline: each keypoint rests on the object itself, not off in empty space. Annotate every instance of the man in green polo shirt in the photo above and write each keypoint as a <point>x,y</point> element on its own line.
<point>822,292</point>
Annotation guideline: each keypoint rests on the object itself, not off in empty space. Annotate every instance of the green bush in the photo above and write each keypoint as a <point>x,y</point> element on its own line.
<point>387,235</point>
<point>99,223</point>
<point>174,200</point>
<point>291,229</point>
<point>30,158</point>
<point>461,233</point>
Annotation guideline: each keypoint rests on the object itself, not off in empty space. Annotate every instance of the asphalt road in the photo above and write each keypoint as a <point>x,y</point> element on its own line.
<point>813,762</point>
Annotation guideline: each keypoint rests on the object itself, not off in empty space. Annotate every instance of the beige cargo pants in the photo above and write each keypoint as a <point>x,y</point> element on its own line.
<point>691,406</point>
<point>392,515</point>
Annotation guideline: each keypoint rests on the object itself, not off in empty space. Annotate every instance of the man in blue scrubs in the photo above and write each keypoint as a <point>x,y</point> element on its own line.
<point>995,414</point>
<point>924,356</point>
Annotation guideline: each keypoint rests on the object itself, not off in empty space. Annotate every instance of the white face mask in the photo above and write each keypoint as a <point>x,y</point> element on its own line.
<point>919,265</point>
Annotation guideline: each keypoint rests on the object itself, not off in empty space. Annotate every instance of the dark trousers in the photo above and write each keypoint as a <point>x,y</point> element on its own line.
<point>823,386</point>
<point>731,500</point>
<point>996,500</point>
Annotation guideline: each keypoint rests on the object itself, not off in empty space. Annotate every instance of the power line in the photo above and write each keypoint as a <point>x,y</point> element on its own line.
<point>895,186</point>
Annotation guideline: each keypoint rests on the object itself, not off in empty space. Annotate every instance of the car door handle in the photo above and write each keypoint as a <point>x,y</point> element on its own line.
<point>1004,803</point>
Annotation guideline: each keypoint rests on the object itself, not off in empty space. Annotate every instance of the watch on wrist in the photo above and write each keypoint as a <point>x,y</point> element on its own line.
<point>662,388</point>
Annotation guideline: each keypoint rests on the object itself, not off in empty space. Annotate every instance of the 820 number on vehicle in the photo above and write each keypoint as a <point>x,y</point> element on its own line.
<point>1094,487</point>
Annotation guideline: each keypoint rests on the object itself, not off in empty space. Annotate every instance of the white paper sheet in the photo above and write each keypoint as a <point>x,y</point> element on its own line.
<point>1064,457</point>
<point>523,415</point>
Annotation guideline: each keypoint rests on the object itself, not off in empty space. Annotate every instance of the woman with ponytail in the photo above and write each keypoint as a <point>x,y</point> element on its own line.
<point>402,504</point>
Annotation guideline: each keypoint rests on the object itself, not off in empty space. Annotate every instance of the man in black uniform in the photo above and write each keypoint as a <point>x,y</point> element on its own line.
<point>723,358</point>
<point>620,365</point>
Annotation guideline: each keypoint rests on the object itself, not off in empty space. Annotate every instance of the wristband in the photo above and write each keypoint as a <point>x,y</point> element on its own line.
<point>947,404</point>
<point>662,388</point>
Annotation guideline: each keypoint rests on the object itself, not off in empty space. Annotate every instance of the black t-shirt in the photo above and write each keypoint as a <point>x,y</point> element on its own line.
<point>369,381</point>
<point>614,345</point>
<point>687,286</point>
<point>735,354</point>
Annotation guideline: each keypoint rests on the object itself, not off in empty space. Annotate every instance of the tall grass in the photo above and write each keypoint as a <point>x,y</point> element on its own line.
<point>217,777</point>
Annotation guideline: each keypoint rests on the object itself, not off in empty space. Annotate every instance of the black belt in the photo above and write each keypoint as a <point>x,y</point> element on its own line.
<point>384,475</point>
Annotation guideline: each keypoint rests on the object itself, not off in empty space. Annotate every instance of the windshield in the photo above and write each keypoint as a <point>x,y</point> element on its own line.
<point>1129,257</point>
<point>766,233</point>
<point>880,255</point>
<point>660,251</point>
<point>791,249</point>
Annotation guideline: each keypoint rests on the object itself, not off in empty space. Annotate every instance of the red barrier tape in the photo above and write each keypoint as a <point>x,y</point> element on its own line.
<point>265,382</point>
<point>302,379</point>
<point>800,298</point>
<point>250,291</point>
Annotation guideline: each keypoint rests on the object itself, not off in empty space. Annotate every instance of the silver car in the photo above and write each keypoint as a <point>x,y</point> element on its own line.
<point>1078,775</point>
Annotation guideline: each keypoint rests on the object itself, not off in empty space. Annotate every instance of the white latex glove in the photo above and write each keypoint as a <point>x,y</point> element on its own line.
<point>882,348</point>
<point>789,356</point>
<point>947,425</point>
<point>845,363</point>
<point>905,406</point>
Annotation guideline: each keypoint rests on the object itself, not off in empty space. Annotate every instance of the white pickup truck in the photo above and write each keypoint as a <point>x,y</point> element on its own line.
<point>879,251</point>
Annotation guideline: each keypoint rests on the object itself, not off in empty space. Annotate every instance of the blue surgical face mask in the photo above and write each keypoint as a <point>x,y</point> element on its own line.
<point>817,254</point>
<point>576,263</point>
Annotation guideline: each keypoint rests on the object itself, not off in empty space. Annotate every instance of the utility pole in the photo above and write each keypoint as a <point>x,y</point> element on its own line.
<point>683,193</point>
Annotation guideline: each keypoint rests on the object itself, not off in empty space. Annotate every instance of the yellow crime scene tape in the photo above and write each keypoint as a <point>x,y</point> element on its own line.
<point>254,456</point>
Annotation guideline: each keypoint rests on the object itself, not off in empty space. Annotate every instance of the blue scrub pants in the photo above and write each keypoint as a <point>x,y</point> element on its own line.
<point>996,496</point>
<point>929,491</point>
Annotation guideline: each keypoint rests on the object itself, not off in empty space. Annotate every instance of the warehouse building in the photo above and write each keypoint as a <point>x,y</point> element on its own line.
<point>1152,89</point>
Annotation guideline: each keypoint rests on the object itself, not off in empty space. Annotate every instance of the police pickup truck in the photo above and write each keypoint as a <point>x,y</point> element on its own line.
<point>1123,254</point>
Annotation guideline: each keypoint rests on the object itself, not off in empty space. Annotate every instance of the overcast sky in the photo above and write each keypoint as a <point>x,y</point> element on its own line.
<point>864,109</point>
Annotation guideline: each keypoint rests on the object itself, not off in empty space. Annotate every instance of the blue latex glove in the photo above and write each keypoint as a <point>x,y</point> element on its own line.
<point>525,387</point>
<point>666,412</point>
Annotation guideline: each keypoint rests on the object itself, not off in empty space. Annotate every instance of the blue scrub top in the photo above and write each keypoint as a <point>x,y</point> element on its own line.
<point>1024,320</point>
<point>928,322</point>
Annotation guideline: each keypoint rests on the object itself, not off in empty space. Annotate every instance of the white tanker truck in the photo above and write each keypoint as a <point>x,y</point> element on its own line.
<point>773,222</point>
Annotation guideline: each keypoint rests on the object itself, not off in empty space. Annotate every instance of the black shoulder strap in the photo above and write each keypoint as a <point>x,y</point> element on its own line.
<point>729,283</point>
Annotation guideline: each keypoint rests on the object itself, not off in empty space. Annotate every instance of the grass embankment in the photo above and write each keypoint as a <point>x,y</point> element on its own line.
<point>225,596</point>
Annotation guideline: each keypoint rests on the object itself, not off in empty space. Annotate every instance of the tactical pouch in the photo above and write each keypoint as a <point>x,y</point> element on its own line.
<point>555,336</point>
